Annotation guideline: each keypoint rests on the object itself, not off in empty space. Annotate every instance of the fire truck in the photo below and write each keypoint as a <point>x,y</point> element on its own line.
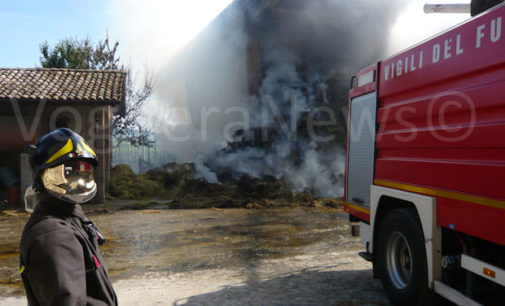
<point>425,165</point>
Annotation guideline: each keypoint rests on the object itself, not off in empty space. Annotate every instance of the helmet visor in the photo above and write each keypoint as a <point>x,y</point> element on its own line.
<point>72,181</point>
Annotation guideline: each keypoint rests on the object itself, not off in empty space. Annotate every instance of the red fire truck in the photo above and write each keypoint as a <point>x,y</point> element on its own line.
<point>425,167</point>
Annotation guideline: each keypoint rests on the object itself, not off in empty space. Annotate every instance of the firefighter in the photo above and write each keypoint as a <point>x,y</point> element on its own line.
<point>60,261</point>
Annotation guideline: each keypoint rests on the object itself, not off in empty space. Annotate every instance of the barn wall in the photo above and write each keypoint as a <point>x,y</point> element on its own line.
<point>91,122</point>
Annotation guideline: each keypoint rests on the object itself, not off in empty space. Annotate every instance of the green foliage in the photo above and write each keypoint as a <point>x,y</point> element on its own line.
<point>80,54</point>
<point>71,53</point>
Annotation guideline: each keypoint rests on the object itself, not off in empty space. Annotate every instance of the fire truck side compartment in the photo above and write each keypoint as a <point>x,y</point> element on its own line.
<point>441,125</point>
<point>361,148</point>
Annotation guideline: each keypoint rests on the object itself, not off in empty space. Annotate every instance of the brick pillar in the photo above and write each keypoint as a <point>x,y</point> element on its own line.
<point>107,134</point>
<point>101,152</point>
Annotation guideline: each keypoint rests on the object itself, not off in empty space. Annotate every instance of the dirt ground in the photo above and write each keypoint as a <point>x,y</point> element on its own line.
<point>287,256</point>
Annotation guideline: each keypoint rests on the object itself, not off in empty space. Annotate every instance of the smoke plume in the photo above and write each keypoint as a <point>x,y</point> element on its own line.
<point>261,91</point>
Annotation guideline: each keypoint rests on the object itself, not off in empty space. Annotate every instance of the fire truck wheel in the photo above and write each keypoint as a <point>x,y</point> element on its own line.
<point>402,258</point>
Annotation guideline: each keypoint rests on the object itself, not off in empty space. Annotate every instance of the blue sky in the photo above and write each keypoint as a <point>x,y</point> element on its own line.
<point>149,31</point>
<point>137,25</point>
<point>24,24</point>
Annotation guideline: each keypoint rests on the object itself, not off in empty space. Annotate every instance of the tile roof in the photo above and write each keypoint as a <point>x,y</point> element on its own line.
<point>63,85</point>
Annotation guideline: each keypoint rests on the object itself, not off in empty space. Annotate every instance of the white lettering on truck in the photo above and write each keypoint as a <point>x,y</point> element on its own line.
<point>447,49</point>
<point>496,30</point>
<point>404,66</point>
<point>495,34</point>
<point>480,34</point>
<point>459,50</point>
<point>436,53</point>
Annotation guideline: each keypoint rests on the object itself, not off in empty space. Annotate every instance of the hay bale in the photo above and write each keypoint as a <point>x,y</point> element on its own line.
<point>262,188</point>
<point>125,184</point>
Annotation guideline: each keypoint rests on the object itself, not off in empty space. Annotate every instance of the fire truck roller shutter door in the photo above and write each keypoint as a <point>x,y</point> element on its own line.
<point>362,129</point>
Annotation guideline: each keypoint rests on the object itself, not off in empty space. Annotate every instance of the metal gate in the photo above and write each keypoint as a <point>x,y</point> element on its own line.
<point>361,148</point>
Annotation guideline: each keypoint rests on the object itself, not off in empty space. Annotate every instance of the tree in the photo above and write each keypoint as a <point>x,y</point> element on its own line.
<point>71,53</point>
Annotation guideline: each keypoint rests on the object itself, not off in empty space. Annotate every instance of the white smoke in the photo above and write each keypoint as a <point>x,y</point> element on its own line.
<point>229,131</point>
<point>319,175</point>
<point>413,26</point>
<point>152,32</point>
<point>203,171</point>
<point>204,110</point>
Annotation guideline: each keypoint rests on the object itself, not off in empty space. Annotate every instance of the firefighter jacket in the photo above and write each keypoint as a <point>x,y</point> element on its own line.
<point>60,261</point>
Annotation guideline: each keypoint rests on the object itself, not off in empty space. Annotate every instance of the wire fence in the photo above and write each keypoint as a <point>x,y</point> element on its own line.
<point>140,158</point>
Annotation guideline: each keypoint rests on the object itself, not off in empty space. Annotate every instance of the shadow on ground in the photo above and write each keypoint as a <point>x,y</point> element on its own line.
<point>306,287</point>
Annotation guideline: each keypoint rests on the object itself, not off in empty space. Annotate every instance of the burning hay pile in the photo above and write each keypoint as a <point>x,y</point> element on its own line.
<point>177,183</point>
<point>262,93</point>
